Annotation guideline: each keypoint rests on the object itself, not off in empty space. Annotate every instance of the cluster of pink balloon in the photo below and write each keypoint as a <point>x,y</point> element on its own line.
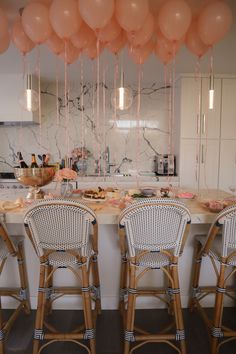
<point>160,26</point>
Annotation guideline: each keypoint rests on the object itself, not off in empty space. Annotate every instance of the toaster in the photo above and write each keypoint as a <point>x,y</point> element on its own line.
<point>165,165</point>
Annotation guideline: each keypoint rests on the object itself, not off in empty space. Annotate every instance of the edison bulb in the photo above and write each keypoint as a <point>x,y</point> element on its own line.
<point>121,98</point>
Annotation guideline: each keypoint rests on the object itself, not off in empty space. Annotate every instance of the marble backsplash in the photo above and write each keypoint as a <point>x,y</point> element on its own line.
<point>129,140</point>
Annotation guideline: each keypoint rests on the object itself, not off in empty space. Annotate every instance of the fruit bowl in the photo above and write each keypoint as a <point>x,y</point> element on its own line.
<point>35,178</point>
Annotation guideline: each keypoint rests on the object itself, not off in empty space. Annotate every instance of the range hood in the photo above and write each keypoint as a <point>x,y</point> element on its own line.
<point>12,88</point>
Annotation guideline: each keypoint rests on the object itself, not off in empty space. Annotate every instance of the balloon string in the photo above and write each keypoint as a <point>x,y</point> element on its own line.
<point>57,93</point>
<point>93,111</point>
<point>82,104</point>
<point>39,96</point>
<point>116,71</point>
<point>66,94</point>
<point>106,154</point>
<point>138,118</point>
<point>98,110</point>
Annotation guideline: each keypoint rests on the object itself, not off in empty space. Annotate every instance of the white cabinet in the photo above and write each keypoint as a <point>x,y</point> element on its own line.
<point>228,118</point>
<point>199,163</point>
<point>199,132</point>
<point>196,118</point>
<point>227,170</point>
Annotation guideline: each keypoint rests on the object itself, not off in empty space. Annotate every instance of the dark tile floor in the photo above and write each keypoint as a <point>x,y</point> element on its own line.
<point>109,333</point>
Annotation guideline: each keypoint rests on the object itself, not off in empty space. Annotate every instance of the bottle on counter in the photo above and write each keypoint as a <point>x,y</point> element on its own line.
<point>33,161</point>
<point>22,163</point>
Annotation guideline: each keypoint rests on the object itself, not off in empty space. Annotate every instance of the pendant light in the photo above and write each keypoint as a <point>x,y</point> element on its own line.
<point>122,97</point>
<point>29,100</point>
<point>211,92</point>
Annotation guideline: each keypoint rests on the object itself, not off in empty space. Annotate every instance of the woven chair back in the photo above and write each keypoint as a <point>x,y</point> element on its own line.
<point>227,219</point>
<point>155,225</point>
<point>59,225</point>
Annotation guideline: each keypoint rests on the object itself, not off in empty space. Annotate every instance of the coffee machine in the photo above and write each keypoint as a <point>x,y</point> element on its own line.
<point>164,165</point>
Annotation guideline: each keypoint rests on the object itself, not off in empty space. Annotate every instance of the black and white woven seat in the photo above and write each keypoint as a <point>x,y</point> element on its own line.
<point>12,247</point>
<point>220,247</point>
<point>152,235</point>
<point>64,235</point>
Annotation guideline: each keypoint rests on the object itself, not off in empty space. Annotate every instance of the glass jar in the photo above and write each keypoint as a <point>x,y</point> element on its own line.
<point>66,189</point>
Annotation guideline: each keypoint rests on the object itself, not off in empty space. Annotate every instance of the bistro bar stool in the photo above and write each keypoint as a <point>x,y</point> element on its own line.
<point>12,247</point>
<point>61,233</point>
<point>152,236</point>
<point>220,247</point>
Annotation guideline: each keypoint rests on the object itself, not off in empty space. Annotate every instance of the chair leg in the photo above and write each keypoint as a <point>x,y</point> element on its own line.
<point>38,331</point>
<point>2,345</point>
<point>89,325</point>
<point>23,277</point>
<point>96,283</point>
<point>48,306</point>
<point>129,326</point>
<point>218,310</point>
<point>180,333</point>
<point>196,273</point>
<point>123,283</point>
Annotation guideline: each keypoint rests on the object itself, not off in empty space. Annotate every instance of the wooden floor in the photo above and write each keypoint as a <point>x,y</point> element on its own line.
<point>109,333</point>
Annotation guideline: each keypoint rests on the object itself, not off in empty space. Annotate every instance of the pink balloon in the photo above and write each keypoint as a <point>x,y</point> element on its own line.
<point>214,22</point>
<point>166,49</point>
<point>155,6</point>
<point>20,39</point>
<point>174,19</point>
<point>84,37</point>
<point>65,18</point>
<point>4,43</point>
<point>144,34</point>
<point>131,14</point>
<point>109,32</point>
<point>35,21</point>
<point>193,42</point>
<point>55,44</point>
<point>3,24</point>
<point>70,53</point>
<point>140,54</point>
<point>92,50</point>
<point>96,13</point>
<point>117,44</point>
<point>45,2</point>
<point>197,6</point>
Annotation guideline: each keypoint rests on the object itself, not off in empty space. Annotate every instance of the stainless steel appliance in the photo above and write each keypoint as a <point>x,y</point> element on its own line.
<point>165,165</point>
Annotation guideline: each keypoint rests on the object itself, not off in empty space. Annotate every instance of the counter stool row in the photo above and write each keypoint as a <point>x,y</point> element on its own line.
<point>152,236</point>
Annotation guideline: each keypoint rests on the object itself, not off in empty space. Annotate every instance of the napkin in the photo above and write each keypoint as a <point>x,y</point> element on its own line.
<point>10,205</point>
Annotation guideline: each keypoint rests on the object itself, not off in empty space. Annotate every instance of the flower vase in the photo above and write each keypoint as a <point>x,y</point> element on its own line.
<point>66,189</point>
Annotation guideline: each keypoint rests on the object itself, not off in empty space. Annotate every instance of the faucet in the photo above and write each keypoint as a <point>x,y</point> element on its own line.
<point>107,160</point>
<point>125,159</point>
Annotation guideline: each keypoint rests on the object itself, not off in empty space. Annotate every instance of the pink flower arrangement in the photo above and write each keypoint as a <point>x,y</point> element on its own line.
<point>80,153</point>
<point>65,174</point>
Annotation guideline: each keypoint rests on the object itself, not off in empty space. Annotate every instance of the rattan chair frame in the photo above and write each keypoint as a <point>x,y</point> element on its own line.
<point>87,265</point>
<point>131,273</point>
<point>223,224</point>
<point>21,293</point>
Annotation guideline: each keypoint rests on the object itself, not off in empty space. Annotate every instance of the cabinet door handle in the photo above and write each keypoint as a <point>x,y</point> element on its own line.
<point>202,153</point>
<point>203,124</point>
<point>198,124</point>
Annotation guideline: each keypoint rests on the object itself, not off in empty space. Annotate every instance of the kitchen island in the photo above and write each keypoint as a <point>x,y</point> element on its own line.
<point>109,255</point>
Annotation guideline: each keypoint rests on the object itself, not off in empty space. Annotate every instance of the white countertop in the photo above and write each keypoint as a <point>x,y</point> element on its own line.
<point>108,215</point>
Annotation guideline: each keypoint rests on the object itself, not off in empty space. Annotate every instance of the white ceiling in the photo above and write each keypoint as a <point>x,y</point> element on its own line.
<point>224,59</point>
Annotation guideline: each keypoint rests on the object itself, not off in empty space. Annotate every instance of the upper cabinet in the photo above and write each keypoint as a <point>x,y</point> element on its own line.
<point>228,121</point>
<point>197,120</point>
<point>12,90</point>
